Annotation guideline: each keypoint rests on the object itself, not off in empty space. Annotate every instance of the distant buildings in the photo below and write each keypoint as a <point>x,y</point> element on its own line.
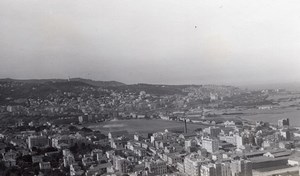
<point>227,148</point>
<point>68,158</point>
<point>211,170</point>
<point>75,170</point>
<point>116,134</point>
<point>212,131</point>
<point>45,165</point>
<point>283,122</point>
<point>192,164</point>
<point>241,167</point>
<point>9,158</point>
<point>285,134</point>
<point>38,141</point>
<point>226,169</point>
<point>211,145</point>
<point>121,164</point>
<point>190,143</point>
<point>157,167</point>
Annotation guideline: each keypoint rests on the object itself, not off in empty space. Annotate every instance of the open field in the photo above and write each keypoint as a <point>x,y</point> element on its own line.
<point>274,115</point>
<point>288,107</point>
<point>283,110</point>
<point>142,125</point>
<point>154,125</point>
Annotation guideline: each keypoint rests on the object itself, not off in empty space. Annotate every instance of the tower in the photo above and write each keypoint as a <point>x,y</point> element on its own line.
<point>185,126</point>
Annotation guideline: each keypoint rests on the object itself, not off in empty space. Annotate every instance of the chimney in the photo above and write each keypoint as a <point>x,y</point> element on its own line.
<point>185,126</point>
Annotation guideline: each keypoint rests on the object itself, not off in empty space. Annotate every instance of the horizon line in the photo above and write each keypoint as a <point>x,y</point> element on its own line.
<point>245,85</point>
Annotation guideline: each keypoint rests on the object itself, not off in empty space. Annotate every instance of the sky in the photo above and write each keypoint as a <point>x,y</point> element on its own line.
<point>152,41</point>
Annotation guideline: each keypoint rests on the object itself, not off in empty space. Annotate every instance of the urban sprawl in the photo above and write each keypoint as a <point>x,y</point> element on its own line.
<point>56,128</point>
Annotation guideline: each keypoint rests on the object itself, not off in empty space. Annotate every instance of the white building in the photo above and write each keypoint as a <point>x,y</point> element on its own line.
<point>192,164</point>
<point>45,165</point>
<point>121,164</point>
<point>68,158</point>
<point>207,170</point>
<point>76,170</point>
<point>226,169</point>
<point>241,167</point>
<point>157,167</point>
<point>211,145</point>
<point>38,141</point>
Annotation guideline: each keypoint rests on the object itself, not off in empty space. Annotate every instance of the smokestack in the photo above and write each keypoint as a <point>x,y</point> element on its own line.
<point>185,126</point>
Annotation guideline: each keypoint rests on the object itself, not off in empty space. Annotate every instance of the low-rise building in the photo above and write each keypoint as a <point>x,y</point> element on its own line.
<point>38,141</point>
<point>45,165</point>
<point>157,167</point>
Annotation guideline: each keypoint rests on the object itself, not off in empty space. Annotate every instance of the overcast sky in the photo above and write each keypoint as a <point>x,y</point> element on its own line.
<point>152,41</point>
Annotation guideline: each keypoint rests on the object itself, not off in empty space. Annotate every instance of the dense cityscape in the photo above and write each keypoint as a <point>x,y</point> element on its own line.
<point>76,127</point>
<point>149,88</point>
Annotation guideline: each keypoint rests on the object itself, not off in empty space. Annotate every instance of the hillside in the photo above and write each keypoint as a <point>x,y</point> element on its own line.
<point>86,81</point>
<point>98,83</point>
<point>41,88</point>
<point>13,90</point>
<point>158,90</point>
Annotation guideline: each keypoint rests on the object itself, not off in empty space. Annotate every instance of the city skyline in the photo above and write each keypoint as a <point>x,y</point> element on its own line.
<point>149,88</point>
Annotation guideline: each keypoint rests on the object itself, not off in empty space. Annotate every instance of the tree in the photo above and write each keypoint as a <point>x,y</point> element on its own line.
<point>50,149</point>
<point>27,158</point>
<point>13,171</point>
<point>87,130</point>
<point>73,128</point>
<point>2,166</point>
<point>74,149</point>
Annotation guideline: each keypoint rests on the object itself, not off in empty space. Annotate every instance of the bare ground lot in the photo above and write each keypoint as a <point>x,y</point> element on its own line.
<point>143,125</point>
